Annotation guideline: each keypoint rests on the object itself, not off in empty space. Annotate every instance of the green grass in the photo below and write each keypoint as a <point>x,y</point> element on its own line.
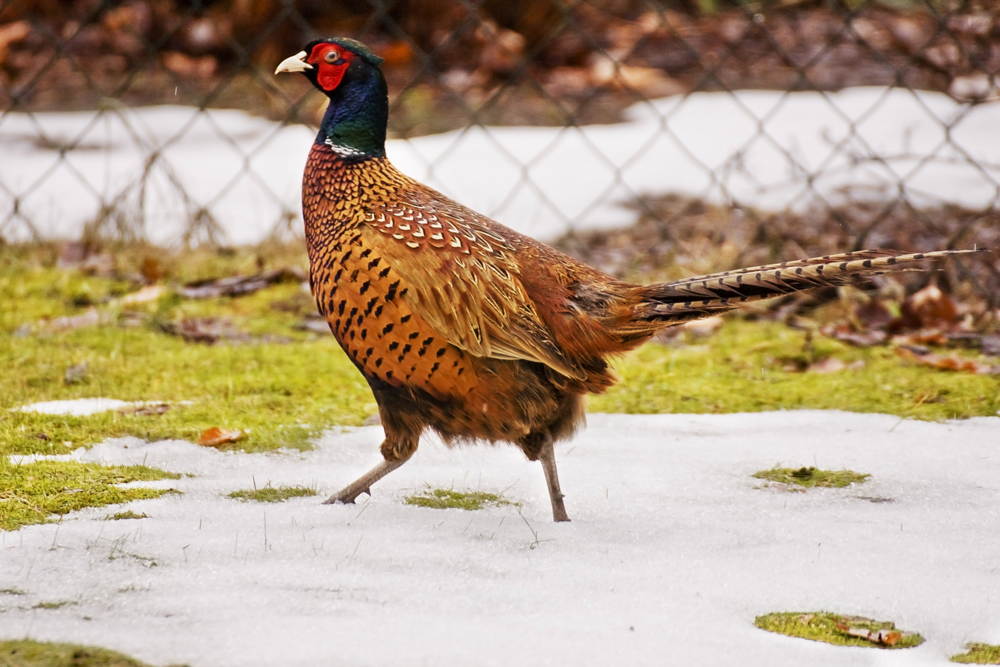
<point>59,604</point>
<point>450,499</point>
<point>979,654</point>
<point>271,494</point>
<point>128,514</point>
<point>822,627</point>
<point>812,477</point>
<point>32,492</point>
<point>27,653</point>
<point>283,394</point>
<point>749,367</point>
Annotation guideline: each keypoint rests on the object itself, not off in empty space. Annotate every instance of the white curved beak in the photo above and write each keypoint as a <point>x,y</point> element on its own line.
<point>296,63</point>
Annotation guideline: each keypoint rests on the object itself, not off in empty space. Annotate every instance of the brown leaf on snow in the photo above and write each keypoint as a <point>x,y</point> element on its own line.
<point>884,637</point>
<point>946,363</point>
<point>216,436</point>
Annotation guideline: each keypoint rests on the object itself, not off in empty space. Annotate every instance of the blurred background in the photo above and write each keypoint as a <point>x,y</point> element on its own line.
<point>650,138</point>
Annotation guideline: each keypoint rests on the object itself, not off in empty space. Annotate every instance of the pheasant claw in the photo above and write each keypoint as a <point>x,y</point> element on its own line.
<point>349,493</point>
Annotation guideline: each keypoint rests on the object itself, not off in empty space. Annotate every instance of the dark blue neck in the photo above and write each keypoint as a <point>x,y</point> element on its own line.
<point>355,120</point>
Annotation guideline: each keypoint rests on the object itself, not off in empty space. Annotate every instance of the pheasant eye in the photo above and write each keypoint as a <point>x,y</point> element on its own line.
<point>332,57</point>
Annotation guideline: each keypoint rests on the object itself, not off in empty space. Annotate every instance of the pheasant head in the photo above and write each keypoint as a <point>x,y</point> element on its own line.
<point>349,75</point>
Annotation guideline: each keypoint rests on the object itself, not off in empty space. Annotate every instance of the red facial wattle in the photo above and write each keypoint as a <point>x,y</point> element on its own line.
<point>330,61</point>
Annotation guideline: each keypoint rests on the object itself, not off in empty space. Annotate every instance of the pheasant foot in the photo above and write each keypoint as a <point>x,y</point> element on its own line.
<point>363,484</point>
<point>548,458</point>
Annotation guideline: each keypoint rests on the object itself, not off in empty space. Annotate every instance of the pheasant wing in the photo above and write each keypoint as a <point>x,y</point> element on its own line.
<point>461,274</point>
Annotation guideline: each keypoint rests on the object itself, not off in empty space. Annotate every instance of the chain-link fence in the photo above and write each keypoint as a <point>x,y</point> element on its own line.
<point>701,133</point>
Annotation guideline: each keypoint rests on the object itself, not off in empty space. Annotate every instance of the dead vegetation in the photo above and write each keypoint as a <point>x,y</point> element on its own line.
<point>494,62</point>
<point>956,305</point>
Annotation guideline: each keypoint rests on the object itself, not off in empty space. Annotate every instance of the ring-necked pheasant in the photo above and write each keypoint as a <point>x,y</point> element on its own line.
<point>462,325</point>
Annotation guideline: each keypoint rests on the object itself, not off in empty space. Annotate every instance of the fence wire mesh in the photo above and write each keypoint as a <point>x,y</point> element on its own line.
<point>697,134</point>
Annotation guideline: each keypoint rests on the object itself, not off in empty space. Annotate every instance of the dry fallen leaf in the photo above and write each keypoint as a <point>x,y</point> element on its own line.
<point>216,436</point>
<point>151,269</point>
<point>146,410</point>
<point>204,329</point>
<point>929,307</point>
<point>873,315</point>
<point>922,337</point>
<point>884,636</point>
<point>649,80</point>
<point>844,333</point>
<point>947,363</point>
<point>187,66</point>
<point>11,33</point>
<point>239,285</point>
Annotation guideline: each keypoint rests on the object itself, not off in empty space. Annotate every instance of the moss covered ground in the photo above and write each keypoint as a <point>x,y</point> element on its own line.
<point>839,630</point>
<point>754,366</point>
<point>451,499</point>
<point>810,477</point>
<point>282,392</point>
<point>272,494</point>
<point>33,492</point>
<point>282,385</point>
<point>979,654</point>
<point>27,653</point>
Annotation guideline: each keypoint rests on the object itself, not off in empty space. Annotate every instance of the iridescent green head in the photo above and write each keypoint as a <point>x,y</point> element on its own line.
<point>348,73</point>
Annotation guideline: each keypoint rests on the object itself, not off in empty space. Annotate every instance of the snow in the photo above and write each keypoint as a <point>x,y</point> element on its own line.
<point>671,554</point>
<point>772,150</point>
<point>77,407</point>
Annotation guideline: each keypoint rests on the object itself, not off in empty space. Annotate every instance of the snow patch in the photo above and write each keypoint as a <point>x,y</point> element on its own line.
<point>671,554</point>
<point>771,150</point>
<point>78,407</point>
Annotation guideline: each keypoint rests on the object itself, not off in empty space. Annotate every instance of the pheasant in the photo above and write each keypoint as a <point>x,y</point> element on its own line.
<point>464,326</point>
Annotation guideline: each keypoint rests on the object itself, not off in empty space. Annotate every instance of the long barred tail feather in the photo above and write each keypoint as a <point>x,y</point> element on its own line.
<point>702,296</point>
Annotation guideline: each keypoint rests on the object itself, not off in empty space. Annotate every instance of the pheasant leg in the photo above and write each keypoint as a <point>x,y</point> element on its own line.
<point>548,458</point>
<point>363,484</point>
